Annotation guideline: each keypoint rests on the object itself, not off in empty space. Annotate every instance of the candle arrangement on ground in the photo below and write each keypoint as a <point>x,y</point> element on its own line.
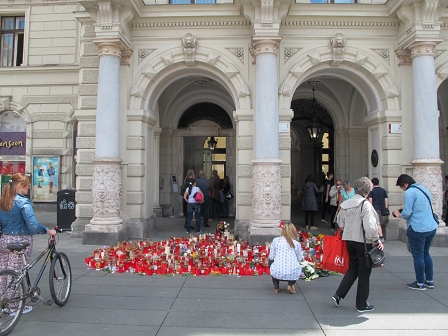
<point>206,254</point>
<point>313,253</point>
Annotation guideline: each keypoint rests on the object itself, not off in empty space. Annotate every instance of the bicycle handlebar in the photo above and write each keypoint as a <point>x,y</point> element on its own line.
<point>61,230</point>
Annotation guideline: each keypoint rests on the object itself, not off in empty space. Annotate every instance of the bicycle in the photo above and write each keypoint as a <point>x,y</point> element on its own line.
<point>16,288</point>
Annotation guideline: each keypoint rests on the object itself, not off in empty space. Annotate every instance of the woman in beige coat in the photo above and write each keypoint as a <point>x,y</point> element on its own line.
<point>355,213</point>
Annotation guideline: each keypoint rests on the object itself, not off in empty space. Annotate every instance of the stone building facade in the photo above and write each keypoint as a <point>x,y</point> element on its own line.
<point>103,85</point>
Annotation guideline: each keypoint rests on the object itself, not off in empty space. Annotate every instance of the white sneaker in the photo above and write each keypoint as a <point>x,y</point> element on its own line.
<point>313,228</point>
<point>323,221</point>
<point>25,310</point>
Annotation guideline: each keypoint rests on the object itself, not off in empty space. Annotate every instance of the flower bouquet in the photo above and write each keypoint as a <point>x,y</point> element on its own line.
<point>311,271</point>
<point>223,226</point>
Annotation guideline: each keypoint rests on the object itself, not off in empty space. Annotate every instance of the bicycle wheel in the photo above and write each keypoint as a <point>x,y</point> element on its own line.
<point>60,278</point>
<point>11,301</point>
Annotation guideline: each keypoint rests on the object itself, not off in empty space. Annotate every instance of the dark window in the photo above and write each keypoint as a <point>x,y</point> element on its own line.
<point>11,52</point>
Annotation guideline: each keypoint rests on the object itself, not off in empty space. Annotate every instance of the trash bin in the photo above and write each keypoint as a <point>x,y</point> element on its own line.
<point>66,211</point>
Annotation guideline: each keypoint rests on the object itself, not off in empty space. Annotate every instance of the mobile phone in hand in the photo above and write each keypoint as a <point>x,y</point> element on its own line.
<point>399,210</point>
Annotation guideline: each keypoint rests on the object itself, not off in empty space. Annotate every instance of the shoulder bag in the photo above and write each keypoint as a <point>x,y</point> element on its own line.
<point>375,257</point>
<point>436,218</point>
<point>228,196</point>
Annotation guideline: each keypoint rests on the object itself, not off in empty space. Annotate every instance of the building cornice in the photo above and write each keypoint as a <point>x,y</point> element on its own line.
<point>177,24</point>
<point>331,23</point>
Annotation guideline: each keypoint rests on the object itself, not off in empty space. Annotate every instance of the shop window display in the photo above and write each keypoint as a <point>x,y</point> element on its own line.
<point>12,146</point>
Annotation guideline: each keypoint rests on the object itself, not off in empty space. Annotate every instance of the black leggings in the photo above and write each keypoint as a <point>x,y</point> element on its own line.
<point>276,282</point>
<point>309,214</point>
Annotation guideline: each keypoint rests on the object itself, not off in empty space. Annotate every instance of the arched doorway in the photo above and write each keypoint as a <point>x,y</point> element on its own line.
<point>191,111</point>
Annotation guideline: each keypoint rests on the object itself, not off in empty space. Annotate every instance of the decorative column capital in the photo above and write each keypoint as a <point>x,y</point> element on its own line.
<point>111,47</point>
<point>126,56</point>
<point>265,44</point>
<point>404,57</point>
<point>423,48</point>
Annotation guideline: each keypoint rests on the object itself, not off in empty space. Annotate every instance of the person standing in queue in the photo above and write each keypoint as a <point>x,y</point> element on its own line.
<point>216,196</point>
<point>335,196</point>
<point>326,202</point>
<point>204,184</point>
<point>379,199</point>
<point>193,207</point>
<point>309,201</point>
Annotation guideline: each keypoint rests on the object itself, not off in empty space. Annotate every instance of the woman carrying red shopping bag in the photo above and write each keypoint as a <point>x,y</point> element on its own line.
<point>335,254</point>
<point>354,215</point>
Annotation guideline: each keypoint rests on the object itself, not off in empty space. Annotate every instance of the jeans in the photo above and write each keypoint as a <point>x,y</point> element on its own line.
<point>225,208</point>
<point>196,208</point>
<point>356,270</point>
<point>205,210</point>
<point>216,208</point>
<point>276,282</point>
<point>420,243</point>
<point>324,207</point>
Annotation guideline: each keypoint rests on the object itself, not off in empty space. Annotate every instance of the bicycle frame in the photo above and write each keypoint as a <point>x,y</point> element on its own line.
<point>24,272</point>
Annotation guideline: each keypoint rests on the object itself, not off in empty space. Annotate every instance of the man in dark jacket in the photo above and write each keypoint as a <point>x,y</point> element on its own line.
<point>216,201</point>
<point>204,184</point>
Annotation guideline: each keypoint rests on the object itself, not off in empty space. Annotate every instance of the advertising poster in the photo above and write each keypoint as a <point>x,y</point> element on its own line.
<point>45,179</point>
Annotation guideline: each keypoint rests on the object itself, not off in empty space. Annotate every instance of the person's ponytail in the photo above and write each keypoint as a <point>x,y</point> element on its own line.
<point>10,191</point>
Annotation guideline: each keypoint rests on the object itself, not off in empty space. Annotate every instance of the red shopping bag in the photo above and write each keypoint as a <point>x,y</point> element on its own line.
<point>335,254</point>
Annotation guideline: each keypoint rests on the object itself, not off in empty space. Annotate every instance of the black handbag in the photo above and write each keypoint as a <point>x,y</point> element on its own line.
<point>385,212</point>
<point>375,257</point>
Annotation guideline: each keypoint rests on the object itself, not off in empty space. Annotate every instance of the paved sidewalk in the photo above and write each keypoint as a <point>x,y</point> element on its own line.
<point>119,304</point>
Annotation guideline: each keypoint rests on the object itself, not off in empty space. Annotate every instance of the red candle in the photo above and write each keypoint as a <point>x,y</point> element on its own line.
<point>93,263</point>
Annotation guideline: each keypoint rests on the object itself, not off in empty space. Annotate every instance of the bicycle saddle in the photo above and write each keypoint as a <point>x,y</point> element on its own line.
<point>17,246</point>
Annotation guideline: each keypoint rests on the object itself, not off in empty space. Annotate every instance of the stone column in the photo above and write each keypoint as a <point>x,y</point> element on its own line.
<point>157,208</point>
<point>266,178</point>
<point>106,226</point>
<point>426,163</point>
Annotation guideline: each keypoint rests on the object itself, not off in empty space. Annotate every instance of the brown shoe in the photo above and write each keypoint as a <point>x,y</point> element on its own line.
<point>291,289</point>
<point>276,291</point>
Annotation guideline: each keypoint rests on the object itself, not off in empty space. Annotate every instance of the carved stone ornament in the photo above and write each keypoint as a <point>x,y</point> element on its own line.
<point>238,52</point>
<point>143,53</point>
<point>338,43</point>
<point>106,190</point>
<point>266,191</point>
<point>439,52</point>
<point>289,52</point>
<point>429,174</point>
<point>190,43</point>
<point>384,53</point>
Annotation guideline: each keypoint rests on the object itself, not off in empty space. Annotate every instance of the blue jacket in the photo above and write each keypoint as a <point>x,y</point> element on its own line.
<point>417,210</point>
<point>20,221</point>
